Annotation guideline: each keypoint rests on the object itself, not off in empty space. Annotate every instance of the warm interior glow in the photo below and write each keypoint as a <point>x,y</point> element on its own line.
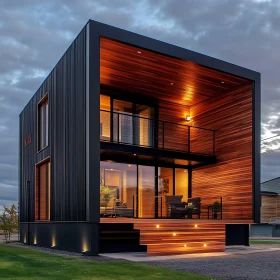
<point>195,225</point>
<point>157,226</point>
<point>204,245</point>
<point>185,245</point>
<point>174,234</point>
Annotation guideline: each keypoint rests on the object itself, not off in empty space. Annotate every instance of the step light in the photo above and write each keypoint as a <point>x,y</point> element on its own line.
<point>157,226</point>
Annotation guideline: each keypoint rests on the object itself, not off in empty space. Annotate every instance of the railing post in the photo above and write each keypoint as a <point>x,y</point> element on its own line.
<point>189,139</point>
<point>118,128</point>
<point>214,140</point>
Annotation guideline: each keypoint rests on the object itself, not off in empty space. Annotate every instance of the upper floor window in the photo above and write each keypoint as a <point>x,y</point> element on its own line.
<point>43,123</point>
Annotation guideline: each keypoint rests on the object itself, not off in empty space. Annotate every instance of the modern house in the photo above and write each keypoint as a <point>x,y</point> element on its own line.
<point>132,144</point>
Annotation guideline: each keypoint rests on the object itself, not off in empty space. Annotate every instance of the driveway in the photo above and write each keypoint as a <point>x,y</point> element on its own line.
<point>254,266</point>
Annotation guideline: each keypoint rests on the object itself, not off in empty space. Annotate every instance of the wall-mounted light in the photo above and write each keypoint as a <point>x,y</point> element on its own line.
<point>188,119</point>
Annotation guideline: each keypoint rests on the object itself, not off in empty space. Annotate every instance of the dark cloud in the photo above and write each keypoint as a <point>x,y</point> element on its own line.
<point>35,34</point>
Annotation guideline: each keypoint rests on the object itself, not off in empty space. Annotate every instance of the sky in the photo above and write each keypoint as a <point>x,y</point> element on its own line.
<point>35,34</point>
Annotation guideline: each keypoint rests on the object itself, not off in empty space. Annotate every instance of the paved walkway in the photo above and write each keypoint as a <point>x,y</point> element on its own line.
<point>256,266</point>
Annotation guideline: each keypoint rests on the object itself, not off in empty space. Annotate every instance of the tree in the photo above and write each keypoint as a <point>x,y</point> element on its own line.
<point>9,221</point>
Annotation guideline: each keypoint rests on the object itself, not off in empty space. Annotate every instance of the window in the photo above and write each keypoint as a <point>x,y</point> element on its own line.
<point>43,123</point>
<point>42,203</point>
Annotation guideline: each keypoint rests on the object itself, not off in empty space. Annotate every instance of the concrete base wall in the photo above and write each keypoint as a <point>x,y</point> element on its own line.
<point>69,236</point>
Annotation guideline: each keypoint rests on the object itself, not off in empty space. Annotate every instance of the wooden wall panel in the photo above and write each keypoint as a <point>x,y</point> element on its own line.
<point>173,80</point>
<point>231,177</point>
<point>175,135</point>
<point>268,208</point>
<point>66,85</point>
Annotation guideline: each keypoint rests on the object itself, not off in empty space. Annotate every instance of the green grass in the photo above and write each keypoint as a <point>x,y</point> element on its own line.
<point>264,242</point>
<point>23,263</point>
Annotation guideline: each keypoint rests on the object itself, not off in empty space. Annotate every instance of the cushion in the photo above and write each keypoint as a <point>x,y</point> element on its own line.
<point>173,199</point>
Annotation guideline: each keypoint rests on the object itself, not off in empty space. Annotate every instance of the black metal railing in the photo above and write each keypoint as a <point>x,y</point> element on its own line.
<point>129,129</point>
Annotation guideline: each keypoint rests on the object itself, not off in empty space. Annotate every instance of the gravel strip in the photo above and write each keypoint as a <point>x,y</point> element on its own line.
<point>65,253</point>
<point>255,266</point>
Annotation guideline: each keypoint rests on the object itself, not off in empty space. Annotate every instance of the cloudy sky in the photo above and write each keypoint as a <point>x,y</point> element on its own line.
<point>34,35</point>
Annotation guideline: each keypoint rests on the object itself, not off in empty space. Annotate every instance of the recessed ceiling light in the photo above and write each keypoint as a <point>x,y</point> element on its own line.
<point>222,82</point>
<point>139,52</point>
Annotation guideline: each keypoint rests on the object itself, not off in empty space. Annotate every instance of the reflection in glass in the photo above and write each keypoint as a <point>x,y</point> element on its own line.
<point>118,184</point>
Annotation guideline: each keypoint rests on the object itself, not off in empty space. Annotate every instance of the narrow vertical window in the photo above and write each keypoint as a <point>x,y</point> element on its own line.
<point>43,191</point>
<point>43,123</point>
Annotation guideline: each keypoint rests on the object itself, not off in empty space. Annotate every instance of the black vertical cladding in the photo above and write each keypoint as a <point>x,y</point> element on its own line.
<point>66,87</point>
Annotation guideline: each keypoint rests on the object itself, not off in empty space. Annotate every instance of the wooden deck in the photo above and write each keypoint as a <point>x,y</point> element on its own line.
<point>180,236</point>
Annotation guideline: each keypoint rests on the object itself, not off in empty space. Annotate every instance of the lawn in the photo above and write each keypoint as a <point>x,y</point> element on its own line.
<point>264,242</point>
<point>23,263</point>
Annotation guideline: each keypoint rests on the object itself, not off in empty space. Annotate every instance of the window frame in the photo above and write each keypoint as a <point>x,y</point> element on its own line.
<point>42,100</point>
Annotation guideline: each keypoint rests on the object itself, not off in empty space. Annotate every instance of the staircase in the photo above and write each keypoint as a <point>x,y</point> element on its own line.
<point>166,237</point>
<point>119,237</point>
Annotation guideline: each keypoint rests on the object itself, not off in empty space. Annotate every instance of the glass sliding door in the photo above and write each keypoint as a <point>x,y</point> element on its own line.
<point>181,182</point>
<point>165,187</point>
<point>123,122</point>
<point>143,125</point>
<point>105,118</point>
<point>146,191</point>
<point>118,183</point>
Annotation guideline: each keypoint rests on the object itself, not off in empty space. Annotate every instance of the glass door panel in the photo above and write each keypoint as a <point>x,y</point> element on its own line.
<point>105,116</point>
<point>123,122</point>
<point>181,183</point>
<point>143,125</point>
<point>165,187</point>
<point>146,191</point>
<point>118,184</point>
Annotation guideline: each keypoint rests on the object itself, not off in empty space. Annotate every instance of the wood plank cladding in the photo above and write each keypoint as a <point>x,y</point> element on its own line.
<point>159,76</point>
<point>169,237</point>
<point>270,208</point>
<point>231,177</point>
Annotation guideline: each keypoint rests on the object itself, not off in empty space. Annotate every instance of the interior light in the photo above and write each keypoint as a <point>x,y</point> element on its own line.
<point>195,225</point>
<point>222,82</point>
<point>204,245</point>
<point>139,52</point>
<point>157,226</point>
<point>185,170</point>
<point>111,169</point>
<point>129,165</point>
<point>188,119</point>
<point>185,245</point>
<point>134,154</point>
<point>171,84</point>
<point>174,234</point>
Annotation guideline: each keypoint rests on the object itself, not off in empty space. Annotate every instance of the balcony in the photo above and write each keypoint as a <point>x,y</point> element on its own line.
<point>133,130</point>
